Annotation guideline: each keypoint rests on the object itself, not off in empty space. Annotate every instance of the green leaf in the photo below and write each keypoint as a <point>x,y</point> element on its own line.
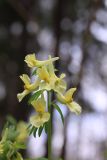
<point>34,72</point>
<point>29,126</point>
<point>31,131</point>
<point>60,112</point>
<point>35,96</point>
<point>40,131</point>
<point>34,132</point>
<point>11,120</point>
<point>46,127</point>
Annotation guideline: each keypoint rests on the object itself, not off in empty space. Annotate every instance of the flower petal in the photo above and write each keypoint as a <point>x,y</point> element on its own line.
<point>74,107</point>
<point>46,116</point>
<point>61,98</point>
<point>20,96</point>
<point>62,75</point>
<point>50,68</point>
<point>39,104</point>
<point>60,87</point>
<point>43,73</point>
<point>38,120</point>
<point>25,78</point>
<point>33,62</point>
<point>46,62</point>
<point>30,59</point>
<point>69,94</point>
<point>34,85</point>
<point>45,86</point>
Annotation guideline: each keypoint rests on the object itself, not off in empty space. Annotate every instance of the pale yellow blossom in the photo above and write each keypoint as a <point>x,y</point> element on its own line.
<point>67,99</point>
<point>42,116</point>
<point>28,86</point>
<point>31,61</point>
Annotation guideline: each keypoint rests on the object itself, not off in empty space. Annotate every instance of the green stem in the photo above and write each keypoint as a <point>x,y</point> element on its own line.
<point>49,126</point>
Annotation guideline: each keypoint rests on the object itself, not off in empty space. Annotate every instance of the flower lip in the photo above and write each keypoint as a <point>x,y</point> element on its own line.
<point>39,119</point>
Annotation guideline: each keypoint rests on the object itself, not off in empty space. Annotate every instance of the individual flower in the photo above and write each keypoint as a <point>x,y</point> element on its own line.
<point>28,86</point>
<point>49,79</point>
<point>31,61</point>
<point>42,116</point>
<point>68,100</point>
<point>21,128</point>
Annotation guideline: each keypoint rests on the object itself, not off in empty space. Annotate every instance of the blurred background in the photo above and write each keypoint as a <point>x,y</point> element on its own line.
<point>76,31</point>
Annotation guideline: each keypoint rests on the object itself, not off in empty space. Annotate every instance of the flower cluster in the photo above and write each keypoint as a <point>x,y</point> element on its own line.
<point>46,80</point>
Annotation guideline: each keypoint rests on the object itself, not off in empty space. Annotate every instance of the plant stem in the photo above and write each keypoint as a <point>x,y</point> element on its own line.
<point>49,126</point>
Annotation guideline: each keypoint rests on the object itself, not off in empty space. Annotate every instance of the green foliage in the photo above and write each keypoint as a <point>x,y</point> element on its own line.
<point>40,131</point>
<point>29,126</point>
<point>59,111</point>
<point>9,146</point>
<point>19,146</point>
<point>46,127</point>
<point>11,120</point>
<point>35,96</point>
<point>34,72</point>
<point>33,130</point>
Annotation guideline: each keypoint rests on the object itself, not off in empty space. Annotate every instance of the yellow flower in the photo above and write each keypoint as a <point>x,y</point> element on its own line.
<point>42,116</point>
<point>28,86</point>
<point>68,100</point>
<point>21,128</point>
<point>50,80</point>
<point>31,61</point>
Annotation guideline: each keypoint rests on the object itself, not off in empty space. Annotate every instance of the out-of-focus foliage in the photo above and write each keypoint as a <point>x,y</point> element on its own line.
<point>13,139</point>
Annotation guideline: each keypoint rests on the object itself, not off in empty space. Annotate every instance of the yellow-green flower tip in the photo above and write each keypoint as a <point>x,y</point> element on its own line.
<point>68,95</point>
<point>63,75</point>
<point>20,96</point>
<point>75,107</point>
<point>25,78</point>
<point>30,59</point>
